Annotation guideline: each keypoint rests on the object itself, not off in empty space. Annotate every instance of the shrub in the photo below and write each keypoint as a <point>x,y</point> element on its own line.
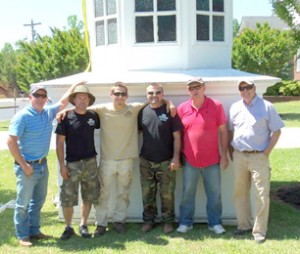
<point>286,88</point>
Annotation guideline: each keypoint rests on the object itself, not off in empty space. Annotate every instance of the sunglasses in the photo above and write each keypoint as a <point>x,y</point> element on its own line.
<point>192,88</point>
<point>37,95</point>
<point>243,88</point>
<point>118,94</point>
<point>154,93</point>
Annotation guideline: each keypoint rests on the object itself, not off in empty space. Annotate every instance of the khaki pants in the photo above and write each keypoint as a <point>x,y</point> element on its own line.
<point>255,168</point>
<point>122,172</point>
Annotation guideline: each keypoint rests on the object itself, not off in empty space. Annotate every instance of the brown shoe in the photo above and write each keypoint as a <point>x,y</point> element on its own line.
<point>100,230</point>
<point>168,228</point>
<point>41,236</point>
<point>119,227</point>
<point>25,242</point>
<point>147,227</point>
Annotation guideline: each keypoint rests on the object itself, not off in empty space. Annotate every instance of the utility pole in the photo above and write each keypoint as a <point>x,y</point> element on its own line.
<point>32,25</point>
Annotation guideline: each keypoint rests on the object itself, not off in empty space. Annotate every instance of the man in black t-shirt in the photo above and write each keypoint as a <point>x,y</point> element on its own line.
<point>159,158</point>
<point>79,165</point>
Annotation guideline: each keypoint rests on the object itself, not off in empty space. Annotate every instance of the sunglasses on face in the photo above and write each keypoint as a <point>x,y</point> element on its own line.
<point>192,88</point>
<point>37,95</point>
<point>243,88</point>
<point>118,94</point>
<point>154,93</point>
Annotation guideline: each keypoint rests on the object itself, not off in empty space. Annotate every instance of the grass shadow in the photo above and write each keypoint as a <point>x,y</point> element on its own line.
<point>290,117</point>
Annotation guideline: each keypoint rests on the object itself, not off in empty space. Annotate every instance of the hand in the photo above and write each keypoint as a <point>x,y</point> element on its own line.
<point>28,170</point>
<point>170,107</point>
<point>175,165</point>
<point>224,162</point>
<point>64,172</point>
<point>81,83</point>
<point>61,115</point>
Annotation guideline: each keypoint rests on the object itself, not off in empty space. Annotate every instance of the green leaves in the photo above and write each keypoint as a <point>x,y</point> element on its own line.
<point>61,54</point>
<point>265,51</point>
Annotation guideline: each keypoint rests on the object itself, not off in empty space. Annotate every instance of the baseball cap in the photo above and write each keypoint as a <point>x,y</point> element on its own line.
<point>34,88</point>
<point>248,82</point>
<point>195,80</point>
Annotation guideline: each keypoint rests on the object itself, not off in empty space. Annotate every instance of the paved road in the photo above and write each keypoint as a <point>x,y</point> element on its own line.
<point>290,138</point>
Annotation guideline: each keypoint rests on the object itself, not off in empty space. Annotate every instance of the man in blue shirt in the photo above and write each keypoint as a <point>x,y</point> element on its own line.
<point>29,140</point>
<point>254,129</point>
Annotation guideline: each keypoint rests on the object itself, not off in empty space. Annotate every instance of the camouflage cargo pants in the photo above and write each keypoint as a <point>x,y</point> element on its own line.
<point>157,177</point>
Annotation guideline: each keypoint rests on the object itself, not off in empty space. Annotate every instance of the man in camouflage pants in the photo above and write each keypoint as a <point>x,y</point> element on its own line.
<point>159,158</point>
<point>77,131</point>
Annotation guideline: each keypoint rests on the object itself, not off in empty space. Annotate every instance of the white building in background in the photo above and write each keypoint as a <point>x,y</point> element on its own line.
<point>144,41</point>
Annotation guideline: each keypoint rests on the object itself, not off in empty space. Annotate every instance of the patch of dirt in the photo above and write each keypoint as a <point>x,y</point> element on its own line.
<point>290,194</point>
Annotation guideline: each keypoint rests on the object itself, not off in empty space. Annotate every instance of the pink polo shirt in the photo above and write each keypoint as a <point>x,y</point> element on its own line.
<point>200,134</point>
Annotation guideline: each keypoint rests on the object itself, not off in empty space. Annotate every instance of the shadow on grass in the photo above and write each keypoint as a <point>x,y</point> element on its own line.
<point>290,117</point>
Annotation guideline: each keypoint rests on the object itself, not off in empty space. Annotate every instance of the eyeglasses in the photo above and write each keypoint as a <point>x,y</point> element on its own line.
<point>156,93</point>
<point>37,95</point>
<point>243,88</point>
<point>122,94</point>
<point>192,88</point>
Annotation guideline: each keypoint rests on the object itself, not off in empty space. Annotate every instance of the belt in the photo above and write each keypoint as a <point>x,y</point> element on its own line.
<point>85,160</point>
<point>40,161</point>
<point>252,151</point>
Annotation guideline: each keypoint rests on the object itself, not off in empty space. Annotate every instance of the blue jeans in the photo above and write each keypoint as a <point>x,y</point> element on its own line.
<point>212,184</point>
<point>31,195</point>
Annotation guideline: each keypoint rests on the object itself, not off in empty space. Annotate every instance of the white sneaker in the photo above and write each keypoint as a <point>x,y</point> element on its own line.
<point>218,229</point>
<point>184,228</point>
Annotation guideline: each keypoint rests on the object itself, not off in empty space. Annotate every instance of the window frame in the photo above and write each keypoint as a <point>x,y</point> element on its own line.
<point>155,14</point>
<point>211,14</point>
<point>106,18</point>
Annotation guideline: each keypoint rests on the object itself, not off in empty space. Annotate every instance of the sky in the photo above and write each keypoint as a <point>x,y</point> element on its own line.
<point>54,13</point>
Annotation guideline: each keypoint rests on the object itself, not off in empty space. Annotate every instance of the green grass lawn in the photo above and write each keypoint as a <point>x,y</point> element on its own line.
<point>283,234</point>
<point>4,125</point>
<point>289,112</point>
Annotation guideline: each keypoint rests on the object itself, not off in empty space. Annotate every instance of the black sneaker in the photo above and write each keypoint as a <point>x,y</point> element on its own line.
<point>84,231</point>
<point>69,231</point>
<point>100,230</point>
<point>240,232</point>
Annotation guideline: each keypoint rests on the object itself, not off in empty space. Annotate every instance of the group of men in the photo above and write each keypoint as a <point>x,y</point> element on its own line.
<point>195,139</point>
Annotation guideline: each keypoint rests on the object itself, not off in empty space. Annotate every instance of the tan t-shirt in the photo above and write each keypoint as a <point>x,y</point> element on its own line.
<point>118,131</point>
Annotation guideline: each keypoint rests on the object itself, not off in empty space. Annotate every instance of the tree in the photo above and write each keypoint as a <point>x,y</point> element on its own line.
<point>289,12</point>
<point>8,61</point>
<point>264,51</point>
<point>49,57</point>
<point>236,27</point>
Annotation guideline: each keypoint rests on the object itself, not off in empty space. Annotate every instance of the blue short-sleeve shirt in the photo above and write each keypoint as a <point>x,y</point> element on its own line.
<point>253,124</point>
<point>33,129</point>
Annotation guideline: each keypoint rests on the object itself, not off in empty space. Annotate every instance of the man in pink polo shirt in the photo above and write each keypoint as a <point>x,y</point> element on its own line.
<point>204,149</point>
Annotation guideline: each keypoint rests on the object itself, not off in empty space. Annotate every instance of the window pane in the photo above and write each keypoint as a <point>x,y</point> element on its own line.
<point>202,28</point>
<point>144,29</point>
<point>218,5</point>
<point>218,28</point>
<point>111,7</point>
<point>143,5</point>
<point>100,37</point>
<point>202,5</point>
<point>99,11</point>
<point>167,28</point>
<point>166,5</point>
<point>112,31</point>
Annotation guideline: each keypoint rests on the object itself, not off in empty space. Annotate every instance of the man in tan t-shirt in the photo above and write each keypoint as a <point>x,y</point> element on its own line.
<point>118,148</point>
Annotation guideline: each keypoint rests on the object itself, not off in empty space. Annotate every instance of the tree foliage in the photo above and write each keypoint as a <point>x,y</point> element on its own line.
<point>236,27</point>
<point>8,60</point>
<point>289,12</point>
<point>61,54</point>
<point>264,51</point>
